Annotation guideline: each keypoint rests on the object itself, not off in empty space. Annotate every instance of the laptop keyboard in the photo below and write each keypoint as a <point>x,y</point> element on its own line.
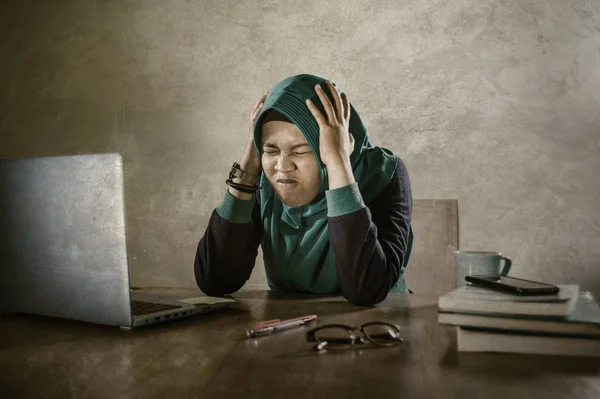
<point>140,307</point>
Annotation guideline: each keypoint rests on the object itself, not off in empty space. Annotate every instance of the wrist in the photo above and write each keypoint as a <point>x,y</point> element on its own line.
<point>337,160</point>
<point>240,195</point>
<point>339,173</point>
<point>242,184</point>
<point>237,171</point>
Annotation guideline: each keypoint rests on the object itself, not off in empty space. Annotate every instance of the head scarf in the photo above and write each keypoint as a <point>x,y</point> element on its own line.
<point>296,248</point>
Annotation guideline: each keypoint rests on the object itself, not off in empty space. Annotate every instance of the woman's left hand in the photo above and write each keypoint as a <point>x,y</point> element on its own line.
<point>336,142</point>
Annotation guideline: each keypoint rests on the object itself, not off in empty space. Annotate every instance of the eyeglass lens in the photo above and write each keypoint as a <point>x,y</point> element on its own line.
<point>382,334</point>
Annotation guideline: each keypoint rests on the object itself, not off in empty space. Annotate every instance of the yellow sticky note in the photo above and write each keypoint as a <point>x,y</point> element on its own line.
<point>205,300</point>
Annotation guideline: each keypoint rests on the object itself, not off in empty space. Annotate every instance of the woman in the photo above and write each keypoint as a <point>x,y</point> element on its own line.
<point>332,212</point>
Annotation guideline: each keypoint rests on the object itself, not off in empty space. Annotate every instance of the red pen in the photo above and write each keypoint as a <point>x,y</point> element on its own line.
<point>271,326</point>
<point>274,322</point>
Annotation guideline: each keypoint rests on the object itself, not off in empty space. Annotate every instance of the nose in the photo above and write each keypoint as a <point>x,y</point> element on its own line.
<point>284,164</point>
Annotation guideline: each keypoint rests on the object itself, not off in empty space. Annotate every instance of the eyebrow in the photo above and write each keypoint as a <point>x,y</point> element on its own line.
<point>269,145</point>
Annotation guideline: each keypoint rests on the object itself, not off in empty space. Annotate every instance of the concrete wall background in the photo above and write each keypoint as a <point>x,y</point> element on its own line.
<point>495,103</point>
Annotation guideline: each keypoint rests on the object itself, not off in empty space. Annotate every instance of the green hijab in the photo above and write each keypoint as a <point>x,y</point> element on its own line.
<point>296,249</point>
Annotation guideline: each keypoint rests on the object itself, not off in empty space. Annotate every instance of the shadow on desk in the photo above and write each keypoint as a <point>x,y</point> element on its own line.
<point>30,324</point>
<point>517,366</point>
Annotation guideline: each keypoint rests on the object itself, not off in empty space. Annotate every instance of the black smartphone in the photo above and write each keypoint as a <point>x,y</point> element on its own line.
<point>512,285</point>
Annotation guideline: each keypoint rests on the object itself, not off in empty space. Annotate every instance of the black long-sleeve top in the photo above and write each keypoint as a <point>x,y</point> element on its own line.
<point>370,246</point>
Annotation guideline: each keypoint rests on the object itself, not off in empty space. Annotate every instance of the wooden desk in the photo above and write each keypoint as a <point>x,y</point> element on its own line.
<point>208,356</point>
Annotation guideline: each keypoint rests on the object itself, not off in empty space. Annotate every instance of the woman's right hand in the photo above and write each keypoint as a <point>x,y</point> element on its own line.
<point>250,161</point>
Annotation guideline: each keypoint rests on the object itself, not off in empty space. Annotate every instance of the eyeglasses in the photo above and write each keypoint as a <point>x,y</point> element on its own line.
<point>341,336</point>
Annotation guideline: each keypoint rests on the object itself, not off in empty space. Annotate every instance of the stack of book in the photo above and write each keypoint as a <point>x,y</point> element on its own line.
<point>567,323</point>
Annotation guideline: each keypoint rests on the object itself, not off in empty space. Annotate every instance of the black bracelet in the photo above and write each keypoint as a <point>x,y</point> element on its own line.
<point>242,187</point>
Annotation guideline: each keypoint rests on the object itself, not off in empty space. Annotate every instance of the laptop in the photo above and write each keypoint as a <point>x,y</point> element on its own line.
<point>63,249</point>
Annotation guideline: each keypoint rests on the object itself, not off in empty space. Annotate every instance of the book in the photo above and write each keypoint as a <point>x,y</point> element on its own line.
<point>471,299</point>
<point>473,340</point>
<point>584,320</point>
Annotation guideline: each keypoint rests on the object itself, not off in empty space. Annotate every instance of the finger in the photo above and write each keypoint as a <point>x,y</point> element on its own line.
<point>326,104</point>
<point>346,105</point>
<point>339,112</point>
<point>316,113</point>
<point>262,99</point>
<point>256,112</point>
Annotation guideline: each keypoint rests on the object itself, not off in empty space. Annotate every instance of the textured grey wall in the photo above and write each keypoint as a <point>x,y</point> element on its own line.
<point>495,103</point>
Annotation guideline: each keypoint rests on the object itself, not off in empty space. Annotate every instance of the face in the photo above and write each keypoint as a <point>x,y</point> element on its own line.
<point>288,163</point>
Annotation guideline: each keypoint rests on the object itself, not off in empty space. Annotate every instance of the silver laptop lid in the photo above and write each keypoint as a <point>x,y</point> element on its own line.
<point>63,245</point>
